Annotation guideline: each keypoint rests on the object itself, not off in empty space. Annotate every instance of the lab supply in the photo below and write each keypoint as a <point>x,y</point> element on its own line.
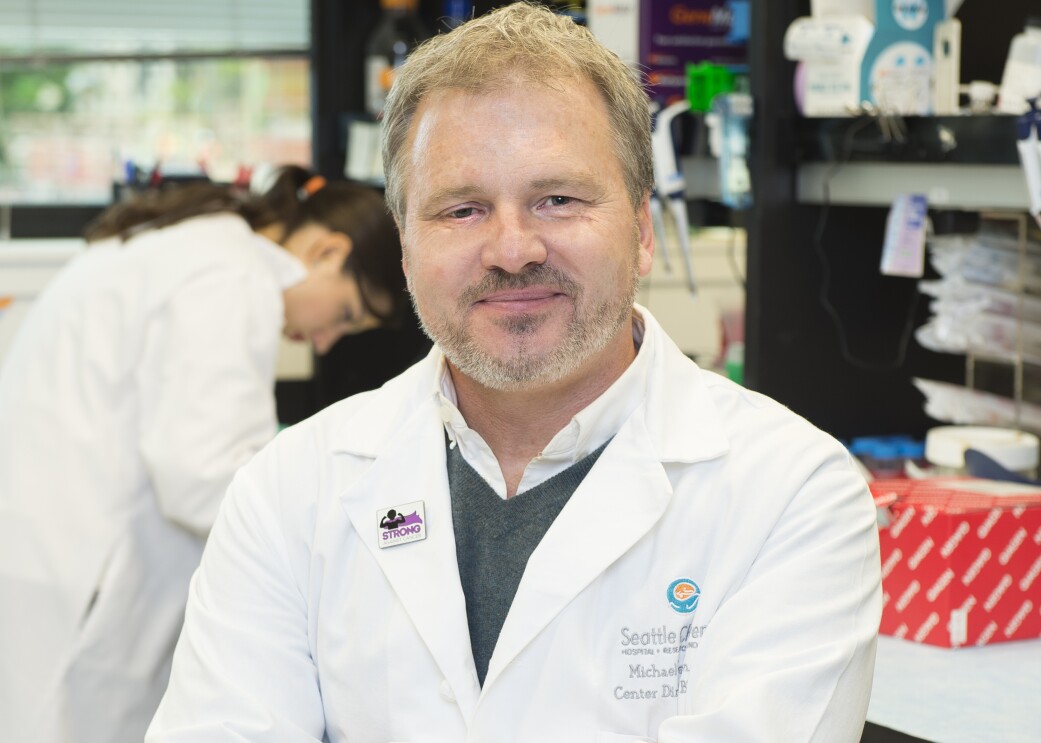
<point>897,69</point>
<point>845,8</point>
<point>1021,78</point>
<point>981,94</point>
<point>732,112</point>
<point>978,464</point>
<point>879,456</point>
<point>960,562</point>
<point>987,258</point>
<point>946,67</point>
<point>903,251</point>
<point>734,361</point>
<point>364,161</point>
<point>1028,143</point>
<point>398,32</point>
<point>954,403</point>
<point>669,187</point>
<point>981,333</point>
<point>830,51</point>
<point>886,457</point>
<point>945,447</point>
<point>955,295</point>
<point>704,82</point>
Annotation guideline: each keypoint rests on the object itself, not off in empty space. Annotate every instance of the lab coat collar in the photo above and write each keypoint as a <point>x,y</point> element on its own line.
<point>287,269</point>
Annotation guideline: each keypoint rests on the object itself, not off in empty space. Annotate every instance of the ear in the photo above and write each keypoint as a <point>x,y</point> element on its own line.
<point>645,231</point>
<point>401,240</point>
<point>332,250</point>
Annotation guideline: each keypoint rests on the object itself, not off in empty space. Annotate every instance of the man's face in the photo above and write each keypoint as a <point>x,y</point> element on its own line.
<point>522,248</point>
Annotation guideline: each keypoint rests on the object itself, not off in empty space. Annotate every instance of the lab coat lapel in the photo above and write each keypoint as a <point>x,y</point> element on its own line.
<point>620,500</point>
<point>424,574</point>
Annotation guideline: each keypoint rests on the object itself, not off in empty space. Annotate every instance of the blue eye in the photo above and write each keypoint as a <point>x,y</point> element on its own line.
<point>559,200</point>
<point>466,211</point>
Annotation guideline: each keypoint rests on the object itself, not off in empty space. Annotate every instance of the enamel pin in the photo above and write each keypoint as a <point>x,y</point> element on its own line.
<point>402,524</point>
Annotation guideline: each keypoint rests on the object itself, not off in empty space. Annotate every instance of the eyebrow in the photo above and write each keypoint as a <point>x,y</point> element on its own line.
<point>588,182</point>
<point>454,193</point>
<point>469,190</point>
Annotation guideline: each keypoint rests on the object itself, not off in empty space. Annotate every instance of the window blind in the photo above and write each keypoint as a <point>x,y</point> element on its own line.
<point>84,28</point>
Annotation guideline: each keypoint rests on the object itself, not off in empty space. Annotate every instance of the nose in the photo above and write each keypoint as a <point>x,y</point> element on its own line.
<point>515,241</point>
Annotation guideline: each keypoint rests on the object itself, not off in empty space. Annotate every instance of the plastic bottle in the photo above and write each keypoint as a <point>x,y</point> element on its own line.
<point>1021,79</point>
<point>397,33</point>
<point>734,112</point>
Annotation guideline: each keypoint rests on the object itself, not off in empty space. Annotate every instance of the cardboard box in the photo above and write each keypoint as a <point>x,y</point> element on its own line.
<point>961,560</point>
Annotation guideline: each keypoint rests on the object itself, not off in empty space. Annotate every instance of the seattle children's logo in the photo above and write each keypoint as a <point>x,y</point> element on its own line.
<point>683,595</point>
<point>401,524</point>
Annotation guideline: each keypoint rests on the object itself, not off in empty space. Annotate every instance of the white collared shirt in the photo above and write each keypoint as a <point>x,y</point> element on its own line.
<point>585,433</point>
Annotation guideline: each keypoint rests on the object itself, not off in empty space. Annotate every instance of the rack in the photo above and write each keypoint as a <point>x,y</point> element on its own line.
<point>1018,362</point>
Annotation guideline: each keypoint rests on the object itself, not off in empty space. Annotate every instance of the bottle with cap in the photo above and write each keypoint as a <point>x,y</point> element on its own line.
<point>398,32</point>
<point>1021,79</point>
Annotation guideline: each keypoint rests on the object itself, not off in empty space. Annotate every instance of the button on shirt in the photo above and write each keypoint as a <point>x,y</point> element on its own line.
<point>586,432</point>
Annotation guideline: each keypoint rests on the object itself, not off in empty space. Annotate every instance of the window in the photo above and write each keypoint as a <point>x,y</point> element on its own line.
<point>89,90</point>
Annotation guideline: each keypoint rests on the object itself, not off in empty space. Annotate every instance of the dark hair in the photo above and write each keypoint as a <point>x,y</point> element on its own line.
<point>356,210</point>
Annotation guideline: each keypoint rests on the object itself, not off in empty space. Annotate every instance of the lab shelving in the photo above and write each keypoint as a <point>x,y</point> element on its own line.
<point>825,333</point>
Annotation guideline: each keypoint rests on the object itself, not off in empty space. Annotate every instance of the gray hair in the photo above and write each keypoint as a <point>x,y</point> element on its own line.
<point>534,44</point>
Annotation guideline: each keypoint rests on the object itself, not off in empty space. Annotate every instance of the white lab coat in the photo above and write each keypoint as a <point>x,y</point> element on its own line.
<point>139,382</point>
<point>299,626</point>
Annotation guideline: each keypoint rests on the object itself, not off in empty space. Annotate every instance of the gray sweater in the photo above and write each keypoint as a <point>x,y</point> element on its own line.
<point>494,538</point>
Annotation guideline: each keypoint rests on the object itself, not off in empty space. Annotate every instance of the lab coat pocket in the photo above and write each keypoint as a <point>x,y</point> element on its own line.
<point>602,737</point>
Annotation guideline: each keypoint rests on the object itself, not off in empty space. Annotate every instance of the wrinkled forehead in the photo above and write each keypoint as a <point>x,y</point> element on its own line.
<point>506,83</point>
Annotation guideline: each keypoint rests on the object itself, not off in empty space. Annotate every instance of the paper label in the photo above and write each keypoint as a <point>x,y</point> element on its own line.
<point>903,253</point>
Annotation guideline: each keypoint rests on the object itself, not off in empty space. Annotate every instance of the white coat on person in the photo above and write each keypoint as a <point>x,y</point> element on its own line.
<point>300,628</point>
<point>139,382</point>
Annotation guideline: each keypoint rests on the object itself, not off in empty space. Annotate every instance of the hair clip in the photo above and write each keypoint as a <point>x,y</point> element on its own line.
<point>313,185</point>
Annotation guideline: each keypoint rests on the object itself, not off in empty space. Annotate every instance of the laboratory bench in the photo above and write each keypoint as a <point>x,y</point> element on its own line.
<point>984,694</point>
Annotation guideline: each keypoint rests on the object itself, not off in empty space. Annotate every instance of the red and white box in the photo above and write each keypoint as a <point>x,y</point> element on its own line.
<point>961,560</point>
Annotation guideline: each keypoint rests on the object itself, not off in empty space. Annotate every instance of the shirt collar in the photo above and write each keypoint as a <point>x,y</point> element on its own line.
<point>585,432</point>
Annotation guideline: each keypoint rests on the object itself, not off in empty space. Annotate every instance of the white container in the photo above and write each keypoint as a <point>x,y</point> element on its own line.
<point>1021,79</point>
<point>945,447</point>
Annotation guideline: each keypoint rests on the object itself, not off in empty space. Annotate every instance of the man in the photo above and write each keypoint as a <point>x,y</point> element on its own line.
<point>603,542</point>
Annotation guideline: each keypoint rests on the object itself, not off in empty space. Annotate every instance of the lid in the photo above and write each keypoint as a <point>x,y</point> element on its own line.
<point>887,450</point>
<point>862,445</point>
<point>1015,450</point>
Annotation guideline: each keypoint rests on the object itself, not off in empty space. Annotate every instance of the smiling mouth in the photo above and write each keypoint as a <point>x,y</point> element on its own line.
<point>518,297</point>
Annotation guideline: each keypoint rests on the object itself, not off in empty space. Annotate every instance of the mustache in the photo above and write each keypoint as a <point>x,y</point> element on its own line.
<point>538,274</point>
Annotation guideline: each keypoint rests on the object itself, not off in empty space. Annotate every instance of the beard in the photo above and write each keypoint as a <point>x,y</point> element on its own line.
<point>519,366</point>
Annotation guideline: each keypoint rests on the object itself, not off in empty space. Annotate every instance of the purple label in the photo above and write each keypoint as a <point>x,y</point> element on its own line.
<point>675,32</point>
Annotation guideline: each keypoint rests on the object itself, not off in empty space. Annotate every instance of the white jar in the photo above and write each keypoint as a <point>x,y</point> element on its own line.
<point>1014,450</point>
<point>1021,79</point>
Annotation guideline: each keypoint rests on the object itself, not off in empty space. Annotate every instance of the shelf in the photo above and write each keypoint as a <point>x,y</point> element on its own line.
<point>965,140</point>
<point>946,186</point>
<point>958,162</point>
